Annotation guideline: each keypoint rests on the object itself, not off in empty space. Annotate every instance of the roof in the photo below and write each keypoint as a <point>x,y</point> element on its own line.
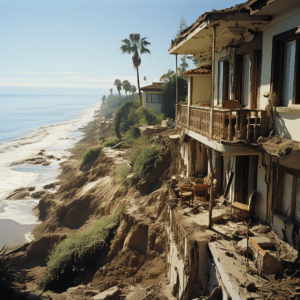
<point>203,18</point>
<point>198,71</point>
<point>153,87</point>
<point>278,146</point>
<point>195,40</point>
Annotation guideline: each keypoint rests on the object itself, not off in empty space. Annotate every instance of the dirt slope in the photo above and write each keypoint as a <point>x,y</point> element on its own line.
<point>136,256</point>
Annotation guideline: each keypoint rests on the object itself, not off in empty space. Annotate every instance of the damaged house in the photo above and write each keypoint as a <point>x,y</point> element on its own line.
<point>243,112</point>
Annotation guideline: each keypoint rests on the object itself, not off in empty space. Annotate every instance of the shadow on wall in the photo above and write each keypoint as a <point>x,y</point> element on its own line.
<point>283,129</point>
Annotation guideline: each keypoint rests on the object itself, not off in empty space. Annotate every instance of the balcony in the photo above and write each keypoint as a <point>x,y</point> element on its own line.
<point>231,125</point>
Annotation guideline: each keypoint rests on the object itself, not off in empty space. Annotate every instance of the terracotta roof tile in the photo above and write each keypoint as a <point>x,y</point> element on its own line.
<point>153,87</point>
<point>198,71</point>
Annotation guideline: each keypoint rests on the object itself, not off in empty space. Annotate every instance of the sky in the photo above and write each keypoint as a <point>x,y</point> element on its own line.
<point>72,47</point>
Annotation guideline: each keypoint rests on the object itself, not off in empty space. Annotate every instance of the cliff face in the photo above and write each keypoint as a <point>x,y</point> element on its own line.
<point>136,255</point>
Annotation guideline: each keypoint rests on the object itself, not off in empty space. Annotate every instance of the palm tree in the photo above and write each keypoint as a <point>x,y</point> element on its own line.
<point>133,89</point>
<point>136,45</point>
<point>126,86</point>
<point>118,84</point>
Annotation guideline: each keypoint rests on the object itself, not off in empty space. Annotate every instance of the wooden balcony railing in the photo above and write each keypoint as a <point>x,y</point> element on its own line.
<point>228,124</point>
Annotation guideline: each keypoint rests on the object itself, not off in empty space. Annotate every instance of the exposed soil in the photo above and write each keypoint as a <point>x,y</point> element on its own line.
<point>136,257</point>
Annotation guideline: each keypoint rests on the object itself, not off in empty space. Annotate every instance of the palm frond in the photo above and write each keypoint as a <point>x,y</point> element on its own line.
<point>135,38</point>
<point>144,42</point>
<point>145,50</point>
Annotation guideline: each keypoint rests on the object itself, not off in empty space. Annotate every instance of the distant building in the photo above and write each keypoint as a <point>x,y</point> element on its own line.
<point>152,96</point>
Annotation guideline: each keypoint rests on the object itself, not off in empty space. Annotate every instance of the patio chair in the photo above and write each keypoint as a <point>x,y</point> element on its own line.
<point>200,190</point>
<point>186,192</point>
<point>244,208</point>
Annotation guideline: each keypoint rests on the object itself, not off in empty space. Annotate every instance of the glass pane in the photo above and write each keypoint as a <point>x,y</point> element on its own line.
<point>221,78</point>
<point>297,212</point>
<point>148,98</point>
<point>229,83</point>
<point>246,84</point>
<point>289,72</point>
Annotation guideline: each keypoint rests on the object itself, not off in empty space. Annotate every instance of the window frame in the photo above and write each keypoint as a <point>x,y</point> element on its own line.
<point>253,49</point>
<point>226,81</point>
<point>277,76</point>
<point>293,201</point>
<point>156,102</point>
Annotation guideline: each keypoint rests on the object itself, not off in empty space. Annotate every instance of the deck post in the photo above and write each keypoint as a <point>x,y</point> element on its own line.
<point>213,50</point>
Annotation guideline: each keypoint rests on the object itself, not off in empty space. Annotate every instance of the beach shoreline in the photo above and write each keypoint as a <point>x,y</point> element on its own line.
<point>19,215</point>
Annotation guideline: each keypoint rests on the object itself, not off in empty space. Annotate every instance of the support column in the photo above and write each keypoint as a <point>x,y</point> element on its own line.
<point>176,80</point>
<point>213,50</point>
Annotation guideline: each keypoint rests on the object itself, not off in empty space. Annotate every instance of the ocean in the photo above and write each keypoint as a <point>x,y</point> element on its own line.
<point>29,124</point>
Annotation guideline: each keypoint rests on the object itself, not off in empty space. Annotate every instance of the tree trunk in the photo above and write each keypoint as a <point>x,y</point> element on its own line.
<point>138,82</point>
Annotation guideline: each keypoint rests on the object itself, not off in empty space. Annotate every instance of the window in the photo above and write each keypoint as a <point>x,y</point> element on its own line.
<point>247,72</point>
<point>246,81</point>
<point>286,68</point>
<point>288,72</point>
<point>154,98</point>
<point>289,199</point>
<point>223,81</point>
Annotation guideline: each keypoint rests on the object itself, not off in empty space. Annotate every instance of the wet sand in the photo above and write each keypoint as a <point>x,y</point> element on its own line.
<point>13,233</point>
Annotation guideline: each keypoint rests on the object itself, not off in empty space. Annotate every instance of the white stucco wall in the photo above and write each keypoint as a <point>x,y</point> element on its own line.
<point>288,20</point>
<point>149,106</point>
<point>260,208</point>
<point>184,150</point>
<point>201,89</point>
<point>286,124</point>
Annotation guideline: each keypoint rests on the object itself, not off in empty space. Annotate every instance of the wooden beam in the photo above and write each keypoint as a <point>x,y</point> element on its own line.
<point>245,17</point>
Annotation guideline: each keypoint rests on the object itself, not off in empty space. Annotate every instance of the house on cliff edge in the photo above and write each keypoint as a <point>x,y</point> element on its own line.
<point>244,106</point>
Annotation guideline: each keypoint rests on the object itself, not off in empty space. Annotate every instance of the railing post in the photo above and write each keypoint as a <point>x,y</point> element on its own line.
<point>255,126</point>
<point>243,126</point>
<point>188,116</point>
<point>248,125</point>
<point>230,133</point>
<point>237,126</point>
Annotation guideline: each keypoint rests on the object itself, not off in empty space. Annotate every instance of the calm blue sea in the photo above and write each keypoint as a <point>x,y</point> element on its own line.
<point>20,114</point>
<point>30,124</point>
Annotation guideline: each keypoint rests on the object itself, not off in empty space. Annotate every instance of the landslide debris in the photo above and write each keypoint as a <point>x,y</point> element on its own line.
<point>135,255</point>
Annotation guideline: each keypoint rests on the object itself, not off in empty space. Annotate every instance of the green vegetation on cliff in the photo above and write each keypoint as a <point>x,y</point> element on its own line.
<point>78,251</point>
<point>90,155</point>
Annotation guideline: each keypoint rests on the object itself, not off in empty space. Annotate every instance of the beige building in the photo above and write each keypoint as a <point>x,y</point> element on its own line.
<point>152,96</point>
<point>244,108</point>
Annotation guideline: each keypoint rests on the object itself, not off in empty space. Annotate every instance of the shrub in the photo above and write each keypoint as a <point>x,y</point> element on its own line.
<point>145,162</point>
<point>139,146</point>
<point>122,171</point>
<point>90,155</point>
<point>72,253</point>
<point>111,142</point>
<point>102,139</point>
<point>135,132</point>
<point>8,278</point>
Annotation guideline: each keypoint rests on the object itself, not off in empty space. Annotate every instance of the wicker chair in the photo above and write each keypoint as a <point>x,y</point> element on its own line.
<point>200,190</point>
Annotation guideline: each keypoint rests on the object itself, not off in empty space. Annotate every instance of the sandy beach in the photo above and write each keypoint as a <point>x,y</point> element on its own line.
<point>31,173</point>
